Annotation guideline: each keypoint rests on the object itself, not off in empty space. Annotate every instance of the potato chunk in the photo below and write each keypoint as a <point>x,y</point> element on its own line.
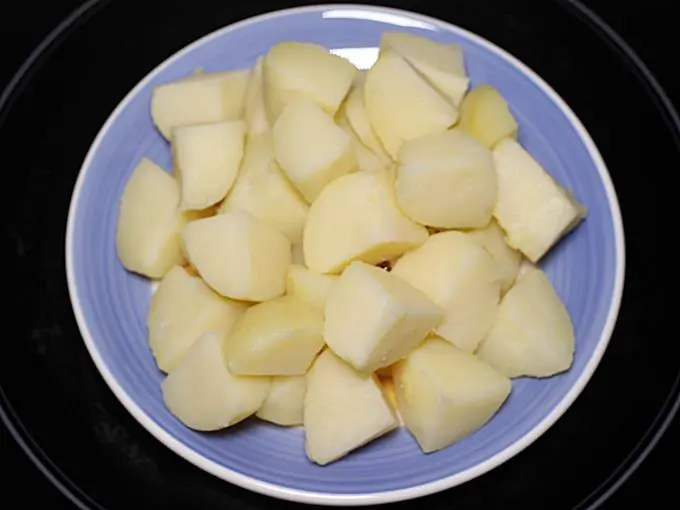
<point>507,259</point>
<point>485,116</point>
<point>285,401</point>
<point>254,112</point>
<point>310,287</point>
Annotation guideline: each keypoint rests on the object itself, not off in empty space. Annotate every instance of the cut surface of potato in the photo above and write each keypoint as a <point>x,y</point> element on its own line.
<point>442,65</point>
<point>356,217</point>
<point>532,334</point>
<point>461,277</point>
<point>206,160</point>
<point>401,105</point>
<point>445,394</point>
<point>199,99</point>
<point>204,395</point>
<point>149,221</point>
<point>387,384</point>
<point>238,255</point>
<point>446,180</point>
<point>373,318</point>
<point>507,259</point>
<point>264,191</point>
<point>297,69</point>
<point>181,310</point>
<point>310,287</point>
<point>285,401</point>
<point>311,149</point>
<point>343,410</point>
<point>533,209</point>
<point>366,160</point>
<point>486,117</point>
<point>278,337</point>
<point>254,112</point>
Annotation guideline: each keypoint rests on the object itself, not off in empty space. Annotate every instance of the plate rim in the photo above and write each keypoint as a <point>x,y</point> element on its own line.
<point>368,498</point>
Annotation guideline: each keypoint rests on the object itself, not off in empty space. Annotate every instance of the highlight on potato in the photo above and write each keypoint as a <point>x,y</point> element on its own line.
<point>340,250</point>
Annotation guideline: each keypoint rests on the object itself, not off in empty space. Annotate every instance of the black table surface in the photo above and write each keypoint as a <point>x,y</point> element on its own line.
<point>649,27</point>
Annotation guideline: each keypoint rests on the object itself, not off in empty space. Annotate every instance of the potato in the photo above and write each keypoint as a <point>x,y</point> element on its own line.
<point>278,337</point>
<point>356,217</point>
<point>147,235</point>
<point>445,394</point>
<point>373,318</point>
<point>298,256</point>
<point>264,191</point>
<point>238,255</point>
<point>182,308</point>
<point>387,385</point>
<point>401,105</point>
<point>310,287</point>
<point>206,161</point>
<point>446,180</point>
<point>485,116</point>
<point>285,401</point>
<point>343,410</point>
<point>366,160</point>
<point>204,395</point>
<point>297,69</point>
<point>199,99</point>
<point>532,334</point>
<point>507,259</point>
<point>461,277</point>
<point>441,64</point>
<point>533,209</point>
<point>254,112</point>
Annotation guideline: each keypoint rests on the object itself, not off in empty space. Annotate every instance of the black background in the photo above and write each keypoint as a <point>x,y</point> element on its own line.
<point>650,27</point>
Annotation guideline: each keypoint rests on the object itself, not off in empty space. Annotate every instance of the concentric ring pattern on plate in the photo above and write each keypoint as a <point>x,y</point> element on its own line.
<point>111,304</point>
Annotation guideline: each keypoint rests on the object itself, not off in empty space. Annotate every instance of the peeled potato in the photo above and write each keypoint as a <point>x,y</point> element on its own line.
<point>149,221</point>
<point>401,105</point>
<point>532,334</point>
<point>285,401</point>
<point>238,255</point>
<point>485,116</point>
<point>387,384</point>
<point>278,337</point>
<point>206,160</point>
<point>356,217</point>
<point>366,160</point>
<point>254,112</point>
<point>461,277</point>
<point>373,318</point>
<point>311,149</point>
<point>507,259</point>
<point>533,209</point>
<point>446,180</point>
<point>310,287</point>
<point>445,394</point>
<point>182,309</point>
<point>204,395</point>
<point>199,99</point>
<point>343,410</point>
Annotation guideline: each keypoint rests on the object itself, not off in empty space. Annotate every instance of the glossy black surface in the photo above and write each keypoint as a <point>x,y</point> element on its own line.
<point>50,383</point>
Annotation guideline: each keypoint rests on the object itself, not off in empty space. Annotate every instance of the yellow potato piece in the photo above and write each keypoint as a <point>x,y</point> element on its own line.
<point>285,402</point>
<point>486,117</point>
<point>310,287</point>
<point>507,259</point>
<point>255,113</point>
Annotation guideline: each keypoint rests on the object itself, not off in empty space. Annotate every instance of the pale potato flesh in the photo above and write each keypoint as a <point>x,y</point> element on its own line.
<point>532,334</point>
<point>486,117</point>
<point>285,401</point>
<point>343,410</point>
<point>387,385</point>
<point>445,394</point>
<point>507,259</point>
<point>310,287</point>
<point>255,113</point>
<point>278,337</point>
<point>204,395</point>
<point>366,159</point>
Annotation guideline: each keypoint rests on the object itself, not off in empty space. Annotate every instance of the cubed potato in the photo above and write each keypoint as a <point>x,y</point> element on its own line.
<point>532,333</point>
<point>533,209</point>
<point>387,384</point>
<point>344,410</point>
<point>507,259</point>
<point>254,112</point>
<point>204,395</point>
<point>263,190</point>
<point>285,401</point>
<point>311,149</point>
<point>366,159</point>
<point>277,337</point>
<point>486,117</point>
<point>294,69</point>
<point>149,221</point>
<point>312,288</point>
<point>442,65</point>
<point>374,318</point>
<point>356,217</point>
<point>446,180</point>
<point>401,105</point>
<point>445,394</point>
<point>461,277</point>
<point>238,255</point>
<point>182,309</point>
<point>206,160</point>
<point>199,99</point>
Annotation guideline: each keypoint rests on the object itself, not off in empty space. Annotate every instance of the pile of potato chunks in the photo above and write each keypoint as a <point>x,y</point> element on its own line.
<point>346,250</point>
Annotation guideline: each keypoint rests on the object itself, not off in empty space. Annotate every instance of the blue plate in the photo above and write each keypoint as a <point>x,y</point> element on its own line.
<point>587,270</point>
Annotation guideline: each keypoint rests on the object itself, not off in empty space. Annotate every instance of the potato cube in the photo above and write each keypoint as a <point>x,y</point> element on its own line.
<point>485,116</point>
<point>255,113</point>
<point>507,259</point>
<point>310,287</point>
<point>285,402</point>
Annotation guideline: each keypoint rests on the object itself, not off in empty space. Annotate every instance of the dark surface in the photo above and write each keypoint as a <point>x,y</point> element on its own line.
<point>73,415</point>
